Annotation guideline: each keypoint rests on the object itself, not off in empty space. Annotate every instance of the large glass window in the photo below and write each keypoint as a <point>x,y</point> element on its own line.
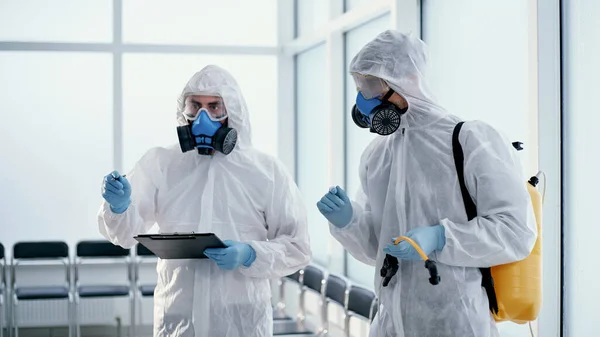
<point>200,22</point>
<point>149,106</point>
<point>581,47</point>
<point>313,155</point>
<point>61,133</point>
<point>357,139</point>
<point>57,143</point>
<point>480,71</point>
<point>56,21</point>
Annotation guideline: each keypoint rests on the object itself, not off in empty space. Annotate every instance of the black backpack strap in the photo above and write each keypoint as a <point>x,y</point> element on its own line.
<point>459,160</point>
<point>487,282</point>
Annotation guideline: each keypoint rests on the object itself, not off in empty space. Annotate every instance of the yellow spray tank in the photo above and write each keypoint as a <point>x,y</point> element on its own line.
<point>518,285</point>
<point>515,289</point>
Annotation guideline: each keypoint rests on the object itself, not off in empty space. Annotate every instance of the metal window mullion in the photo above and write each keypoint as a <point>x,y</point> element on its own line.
<point>336,138</point>
<point>286,87</point>
<point>550,161</point>
<point>118,85</point>
<point>339,23</point>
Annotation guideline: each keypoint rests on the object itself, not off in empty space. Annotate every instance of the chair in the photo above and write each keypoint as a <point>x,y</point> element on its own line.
<point>279,310</point>
<point>142,254</point>
<point>312,280</point>
<point>103,250</point>
<point>361,303</point>
<point>51,251</point>
<point>2,290</point>
<point>336,292</point>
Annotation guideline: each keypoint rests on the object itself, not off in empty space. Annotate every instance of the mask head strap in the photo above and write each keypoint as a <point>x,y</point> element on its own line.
<point>387,95</point>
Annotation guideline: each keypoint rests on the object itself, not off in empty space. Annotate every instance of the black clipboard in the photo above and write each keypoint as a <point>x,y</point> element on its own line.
<point>180,245</point>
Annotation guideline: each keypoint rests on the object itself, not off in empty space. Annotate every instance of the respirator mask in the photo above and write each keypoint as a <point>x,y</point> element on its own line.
<point>205,130</point>
<point>371,109</point>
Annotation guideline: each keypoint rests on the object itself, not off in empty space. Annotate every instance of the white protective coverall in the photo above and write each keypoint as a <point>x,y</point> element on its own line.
<point>246,196</point>
<point>409,179</point>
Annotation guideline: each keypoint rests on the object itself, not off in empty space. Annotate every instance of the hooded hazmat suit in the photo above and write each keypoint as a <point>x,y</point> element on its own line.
<point>246,196</point>
<point>409,179</point>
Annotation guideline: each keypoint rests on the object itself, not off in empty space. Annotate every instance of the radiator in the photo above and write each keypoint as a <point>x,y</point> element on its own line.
<point>52,313</point>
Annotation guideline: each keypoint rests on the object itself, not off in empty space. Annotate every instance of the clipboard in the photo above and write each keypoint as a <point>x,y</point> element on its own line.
<point>180,245</point>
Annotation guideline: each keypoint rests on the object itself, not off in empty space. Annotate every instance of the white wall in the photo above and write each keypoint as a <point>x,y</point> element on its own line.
<point>581,47</point>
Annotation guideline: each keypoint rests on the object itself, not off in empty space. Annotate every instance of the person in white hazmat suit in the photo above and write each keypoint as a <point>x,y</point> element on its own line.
<point>245,197</point>
<point>410,187</point>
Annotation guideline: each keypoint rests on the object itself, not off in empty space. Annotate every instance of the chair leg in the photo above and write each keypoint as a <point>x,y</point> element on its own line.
<point>70,315</point>
<point>139,311</point>
<point>132,325</point>
<point>15,320</point>
<point>76,317</point>
<point>1,318</point>
<point>347,326</point>
<point>8,315</point>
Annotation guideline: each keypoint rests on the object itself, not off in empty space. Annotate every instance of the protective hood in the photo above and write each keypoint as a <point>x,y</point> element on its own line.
<point>401,61</point>
<point>215,80</point>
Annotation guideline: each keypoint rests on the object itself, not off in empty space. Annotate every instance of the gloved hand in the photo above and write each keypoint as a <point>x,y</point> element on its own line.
<point>336,207</point>
<point>235,255</point>
<point>116,190</point>
<point>429,238</point>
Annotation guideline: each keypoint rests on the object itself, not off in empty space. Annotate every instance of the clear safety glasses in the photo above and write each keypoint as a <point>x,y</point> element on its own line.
<point>213,105</point>
<point>370,86</point>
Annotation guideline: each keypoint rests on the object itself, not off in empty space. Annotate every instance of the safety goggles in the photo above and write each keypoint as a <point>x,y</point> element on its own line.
<point>369,86</point>
<point>212,104</point>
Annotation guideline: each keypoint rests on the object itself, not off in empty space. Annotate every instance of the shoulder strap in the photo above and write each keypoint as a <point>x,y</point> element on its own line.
<point>487,282</point>
<point>459,160</point>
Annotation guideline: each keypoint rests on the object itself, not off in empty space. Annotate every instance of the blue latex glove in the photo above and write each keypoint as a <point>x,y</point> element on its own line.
<point>336,207</point>
<point>235,255</point>
<point>429,238</point>
<point>116,190</point>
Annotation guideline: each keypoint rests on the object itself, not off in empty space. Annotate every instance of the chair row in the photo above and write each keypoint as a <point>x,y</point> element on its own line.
<point>355,301</point>
<point>71,290</point>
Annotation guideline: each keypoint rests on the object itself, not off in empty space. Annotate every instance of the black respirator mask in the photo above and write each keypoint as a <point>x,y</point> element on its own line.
<point>379,115</point>
<point>207,135</point>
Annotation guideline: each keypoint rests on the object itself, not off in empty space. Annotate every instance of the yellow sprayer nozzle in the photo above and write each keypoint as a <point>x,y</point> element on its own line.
<point>415,246</point>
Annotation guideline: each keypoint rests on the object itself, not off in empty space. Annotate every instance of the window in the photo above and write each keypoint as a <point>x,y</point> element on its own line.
<point>483,73</point>
<point>313,154</point>
<point>67,122</point>
<point>56,21</point>
<point>311,15</point>
<point>357,139</point>
<point>480,70</point>
<point>149,106</point>
<point>200,22</point>
<point>57,143</point>
<point>353,4</point>
<point>581,47</point>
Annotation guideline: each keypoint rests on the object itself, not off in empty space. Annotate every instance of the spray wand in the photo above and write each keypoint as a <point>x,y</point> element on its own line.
<point>390,264</point>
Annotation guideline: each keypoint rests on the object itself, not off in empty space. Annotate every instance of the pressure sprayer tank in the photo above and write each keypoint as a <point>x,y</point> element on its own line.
<point>518,285</point>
